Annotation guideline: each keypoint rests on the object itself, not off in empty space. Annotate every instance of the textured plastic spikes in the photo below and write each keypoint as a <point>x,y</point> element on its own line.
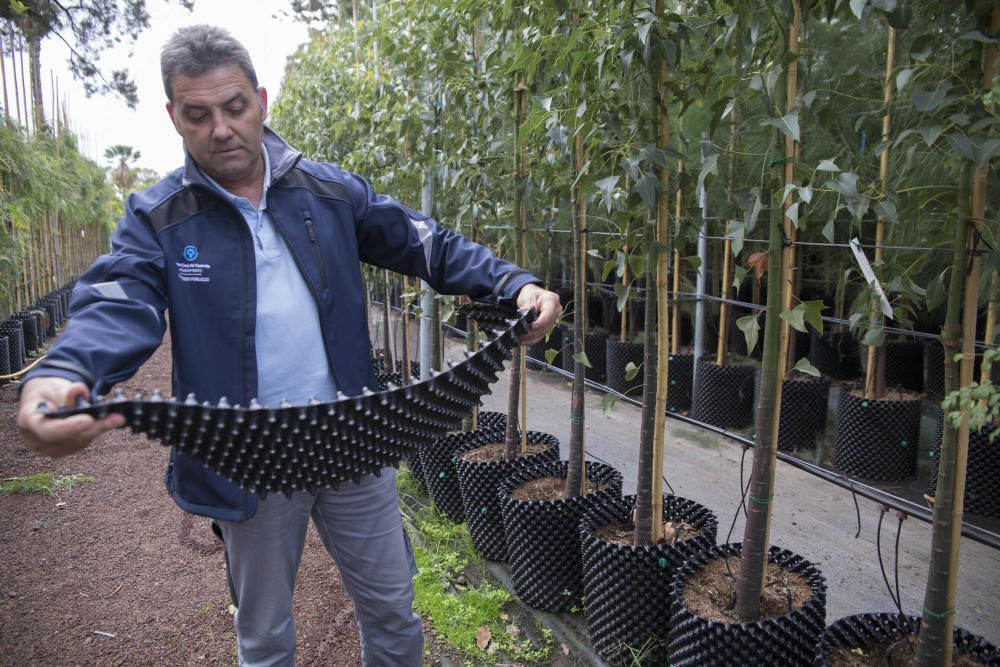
<point>302,448</point>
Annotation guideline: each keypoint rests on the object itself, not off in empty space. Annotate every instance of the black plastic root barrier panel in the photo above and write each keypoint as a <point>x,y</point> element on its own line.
<point>619,355</point>
<point>862,631</point>
<point>934,368</point>
<point>437,461</point>
<point>982,476</point>
<point>835,354</point>
<point>303,448</point>
<point>876,439</point>
<point>543,536</point>
<point>627,588</point>
<point>790,640</point>
<point>803,412</point>
<point>680,372</point>
<point>478,481</point>
<point>724,395</point>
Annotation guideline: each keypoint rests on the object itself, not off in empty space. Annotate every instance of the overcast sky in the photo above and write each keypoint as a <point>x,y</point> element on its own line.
<point>104,120</point>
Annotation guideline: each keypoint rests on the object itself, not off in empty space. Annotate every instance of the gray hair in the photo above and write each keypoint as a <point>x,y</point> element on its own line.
<point>197,49</point>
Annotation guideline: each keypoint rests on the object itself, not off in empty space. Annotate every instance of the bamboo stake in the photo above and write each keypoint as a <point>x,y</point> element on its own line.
<point>24,88</point>
<point>874,384</point>
<point>13,72</point>
<point>720,351</point>
<point>522,250</point>
<point>791,232</point>
<point>662,305</point>
<point>675,315</point>
<point>3,73</point>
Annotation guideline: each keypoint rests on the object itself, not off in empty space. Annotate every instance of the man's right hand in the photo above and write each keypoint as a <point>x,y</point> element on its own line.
<point>58,437</point>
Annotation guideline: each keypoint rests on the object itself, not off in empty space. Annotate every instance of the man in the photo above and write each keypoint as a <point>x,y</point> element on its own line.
<point>256,251</point>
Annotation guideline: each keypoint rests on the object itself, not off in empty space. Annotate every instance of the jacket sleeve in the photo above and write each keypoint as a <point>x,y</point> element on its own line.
<point>395,237</point>
<point>116,312</point>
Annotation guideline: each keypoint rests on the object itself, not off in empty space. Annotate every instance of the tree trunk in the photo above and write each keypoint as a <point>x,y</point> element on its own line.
<point>577,448</point>
<point>644,482</point>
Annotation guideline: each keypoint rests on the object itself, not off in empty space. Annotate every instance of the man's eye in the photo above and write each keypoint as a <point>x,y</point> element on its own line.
<point>236,111</point>
<point>197,118</point>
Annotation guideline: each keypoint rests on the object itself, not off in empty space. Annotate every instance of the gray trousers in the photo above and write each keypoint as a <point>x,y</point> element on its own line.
<point>361,527</point>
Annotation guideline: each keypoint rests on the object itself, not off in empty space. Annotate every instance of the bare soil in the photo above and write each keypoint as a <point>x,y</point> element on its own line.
<point>548,488</point>
<point>494,452</point>
<point>624,534</point>
<point>890,395</point>
<point>892,652</point>
<point>709,593</point>
<point>113,573</point>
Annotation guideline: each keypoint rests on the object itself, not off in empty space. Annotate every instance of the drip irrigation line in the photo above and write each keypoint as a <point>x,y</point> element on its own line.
<point>881,564</point>
<point>857,507</point>
<point>899,531</point>
<point>14,376</point>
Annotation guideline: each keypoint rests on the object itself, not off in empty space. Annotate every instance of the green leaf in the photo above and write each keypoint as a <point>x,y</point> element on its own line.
<point>814,313</point>
<point>792,213</point>
<point>935,291</point>
<point>858,7</point>
<point>931,134</point>
<point>608,403</point>
<point>709,166</point>
<point>977,36</point>
<point>874,337</point>
<point>806,193</point>
<point>594,252</point>
<point>750,328</point>
<point>729,108</point>
<point>735,234</point>
<point>739,275</point>
<point>803,366</point>
<point>651,153</point>
<point>931,99</point>
<point>647,187</point>
<point>581,358</point>
<point>887,210</point>
<point>631,370</point>
<point>808,98</point>
<point>644,33</point>
<point>796,318</point>
<point>582,109</point>
<point>903,78</point>
<point>550,356</point>
<point>827,165</point>
<point>788,124</point>
<point>964,145</point>
<point>751,214</point>
<point>986,150</point>
<point>606,186</point>
<point>623,293</point>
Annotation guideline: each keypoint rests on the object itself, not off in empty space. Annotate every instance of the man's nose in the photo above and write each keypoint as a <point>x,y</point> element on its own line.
<point>221,129</point>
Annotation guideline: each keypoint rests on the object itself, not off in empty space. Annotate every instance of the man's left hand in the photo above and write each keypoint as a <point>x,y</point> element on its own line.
<point>548,307</point>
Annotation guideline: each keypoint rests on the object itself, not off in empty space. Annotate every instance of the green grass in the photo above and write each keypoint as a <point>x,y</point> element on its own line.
<point>456,612</point>
<point>42,482</point>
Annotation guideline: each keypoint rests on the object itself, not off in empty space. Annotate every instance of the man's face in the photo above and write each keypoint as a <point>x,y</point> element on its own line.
<point>221,118</point>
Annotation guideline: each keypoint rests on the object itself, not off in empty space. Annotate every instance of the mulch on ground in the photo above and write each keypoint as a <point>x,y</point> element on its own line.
<point>114,573</point>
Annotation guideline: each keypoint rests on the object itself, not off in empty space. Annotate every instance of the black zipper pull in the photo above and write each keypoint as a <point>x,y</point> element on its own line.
<point>310,229</point>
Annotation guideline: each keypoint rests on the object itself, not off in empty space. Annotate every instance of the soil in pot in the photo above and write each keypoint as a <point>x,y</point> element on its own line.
<point>877,439</point>
<point>543,534</point>
<point>480,467</point>
<point>704,630</point>
<point>724,395</point>
<point>627,588</point>
<point>878,639</point>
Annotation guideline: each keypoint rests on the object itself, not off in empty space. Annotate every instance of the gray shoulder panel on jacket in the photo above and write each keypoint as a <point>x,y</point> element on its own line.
<point>180,206</point>
<point>299,178</point>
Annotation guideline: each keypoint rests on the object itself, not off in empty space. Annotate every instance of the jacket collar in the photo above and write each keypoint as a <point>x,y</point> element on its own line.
<point>281,156</point>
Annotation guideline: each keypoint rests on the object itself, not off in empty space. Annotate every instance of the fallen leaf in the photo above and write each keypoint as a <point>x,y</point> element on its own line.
<point>504,616</point>
<point>565,648</point>
<point>513,630</point>
<point>669,532</point>
<point>232,610</point>
<point>483,636</point>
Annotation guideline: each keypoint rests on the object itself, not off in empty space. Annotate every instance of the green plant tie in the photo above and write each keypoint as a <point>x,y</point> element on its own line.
<point>933,614</point>
<point>575,419</point>
<point>761,501</point>
<point>662,562</point>
<point>483,510</point>
<point>454,459</point>
<point>903,443</point>
<point>864,404</point>
<point>441,475</point>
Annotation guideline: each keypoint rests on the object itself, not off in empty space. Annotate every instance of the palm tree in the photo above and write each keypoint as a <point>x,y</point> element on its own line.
<point>123,172</point>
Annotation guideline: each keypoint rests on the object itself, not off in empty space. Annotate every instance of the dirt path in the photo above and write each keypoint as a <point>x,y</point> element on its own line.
<point>113,573</point>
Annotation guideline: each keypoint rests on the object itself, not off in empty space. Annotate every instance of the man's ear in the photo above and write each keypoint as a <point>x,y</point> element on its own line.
<point>173,119</point>
<point>262,91</point>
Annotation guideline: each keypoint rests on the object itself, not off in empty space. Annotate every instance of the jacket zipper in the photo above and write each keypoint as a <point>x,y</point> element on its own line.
<point>309,284</point>
<point>311,230</point>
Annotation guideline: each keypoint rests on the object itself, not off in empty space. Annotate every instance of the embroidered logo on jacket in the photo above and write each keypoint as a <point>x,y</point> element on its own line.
<point>190,253</point>
<point>190,272</point>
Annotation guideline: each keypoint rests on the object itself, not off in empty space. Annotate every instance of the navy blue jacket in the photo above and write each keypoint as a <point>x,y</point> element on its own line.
<point>182,248</point>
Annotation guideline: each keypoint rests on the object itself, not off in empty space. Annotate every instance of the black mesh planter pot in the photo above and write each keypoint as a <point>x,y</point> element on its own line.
<point>30,328</point>
<point>982,492</point>
<point>789,640</point>
<point>804,401</point>
<point>14,330</point>
<point>554,342</point>
<point>543,536</point>
<point>627,588</point>
<point>835,354</point>
<point>680,372</point>
<point>4,359</point>
<point>724,395</point>
<point>478,481</point>
<point>934,369</point>
<point>619,355</point>
<point>904,365</point>
<point>437,463</point>
<point>51,315</point>
<point>596,347</point>
<point>876,439</point>
<point>868,631</point>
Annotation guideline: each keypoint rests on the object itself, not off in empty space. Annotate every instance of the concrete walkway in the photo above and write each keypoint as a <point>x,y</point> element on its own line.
<point>813,518</point>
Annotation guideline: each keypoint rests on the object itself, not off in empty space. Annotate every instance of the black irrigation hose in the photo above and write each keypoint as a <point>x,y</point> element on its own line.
<point>881,563</point>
